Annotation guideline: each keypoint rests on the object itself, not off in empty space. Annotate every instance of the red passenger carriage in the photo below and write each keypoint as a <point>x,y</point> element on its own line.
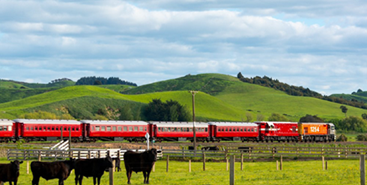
<point>47,130</point>
<point>115,130</point>
<point>7,130</point>
<point>278,131</point>
<point>232,131</point>
<point>179,131</point>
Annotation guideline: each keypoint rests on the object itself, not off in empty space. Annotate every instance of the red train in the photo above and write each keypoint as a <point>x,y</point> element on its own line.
<point>93,130</point>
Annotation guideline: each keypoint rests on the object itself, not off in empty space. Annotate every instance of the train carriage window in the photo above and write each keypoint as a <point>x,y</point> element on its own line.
<point>108,128</point>
<point>241,129</point>
<point>48,128</point>
<point>119,128</point>
<point>135,128</point>
<point>190,129</point>
<point>255,129</point>
<point>125,128</point>
<point>31,128</point>
<point>73,128</point>
<point>53,128</point>
<point>130,128</point>
<point>77,128</point>
<point>5,128</point>
<point>159,129</point>
<point>165,129</point>
<point>145,128</point>
<point>103,128</point>
<point>57,128</point>
<point>1,128</point>
<point>252,129</point>
<point>65,128</point>
<point>141,129</point>
<point>114,128</point>
<point>27,128</point>
<point>35,128</point>
<point>97,128</point>
<point>238,129</point>
<point>174,129</point>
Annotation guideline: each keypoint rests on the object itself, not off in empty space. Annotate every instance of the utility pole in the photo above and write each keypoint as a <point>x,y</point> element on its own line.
<point>193,116</point>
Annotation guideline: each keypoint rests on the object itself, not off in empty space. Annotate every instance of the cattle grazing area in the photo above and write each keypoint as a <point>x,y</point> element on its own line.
<point>140,162</point>
<point>340,172</point>
<point>10,172</point>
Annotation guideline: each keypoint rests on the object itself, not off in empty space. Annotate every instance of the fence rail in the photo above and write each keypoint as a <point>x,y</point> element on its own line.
<point>271,152</point>
<point>54,155</point>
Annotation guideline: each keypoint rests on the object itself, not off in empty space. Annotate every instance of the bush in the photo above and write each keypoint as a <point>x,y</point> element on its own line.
<point>361,138</point>
<point>342,137</point>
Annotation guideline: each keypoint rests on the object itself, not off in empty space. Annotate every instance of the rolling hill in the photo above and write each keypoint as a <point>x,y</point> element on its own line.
<point>220,97</point>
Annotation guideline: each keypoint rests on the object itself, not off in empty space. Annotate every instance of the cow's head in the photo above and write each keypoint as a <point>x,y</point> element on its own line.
<point>107,163</point>
<point>71,163</point>
<point>15,165</point>
<point>152,155</point>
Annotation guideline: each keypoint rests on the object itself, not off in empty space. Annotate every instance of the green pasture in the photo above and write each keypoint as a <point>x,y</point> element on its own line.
<point>342,172</point>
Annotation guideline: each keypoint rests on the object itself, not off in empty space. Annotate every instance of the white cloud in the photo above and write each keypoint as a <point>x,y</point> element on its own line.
<point>315,44</point>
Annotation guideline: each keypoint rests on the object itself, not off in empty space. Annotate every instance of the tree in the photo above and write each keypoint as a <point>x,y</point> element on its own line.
<point>126,113</point>
<point>364,116</point>
<point>308,119</point>
<point>260,117</point>
<point>248,117</point>
<point>344,110</point>
<point>168,111</point>
<point>277,117</point>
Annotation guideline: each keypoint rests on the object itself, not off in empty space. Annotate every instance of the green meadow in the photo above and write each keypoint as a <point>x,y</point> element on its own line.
<point>343,172</point>
<point>219,98</point>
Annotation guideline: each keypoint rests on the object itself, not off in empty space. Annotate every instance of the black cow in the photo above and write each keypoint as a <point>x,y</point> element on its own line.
<point>52,170</point>
<point>210,148</point>
<point>245,148</point>
<point>10,172</point>
<point>117,164</point>
<point>138,162</point>
<point>91,168</point>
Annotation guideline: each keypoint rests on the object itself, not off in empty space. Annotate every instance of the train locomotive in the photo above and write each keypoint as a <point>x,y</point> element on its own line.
<point>135,131</point>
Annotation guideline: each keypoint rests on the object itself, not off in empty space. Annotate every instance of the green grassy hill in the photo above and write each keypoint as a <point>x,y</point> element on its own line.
<point>360,96</point>
<point>220,97</point>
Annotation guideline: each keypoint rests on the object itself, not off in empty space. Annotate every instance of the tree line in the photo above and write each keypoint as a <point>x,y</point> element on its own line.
<point>298,91</point>
<point>92,80</point>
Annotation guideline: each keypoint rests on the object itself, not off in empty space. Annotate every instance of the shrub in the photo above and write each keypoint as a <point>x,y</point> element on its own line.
<point>361,138</point>
<point>342,137</point>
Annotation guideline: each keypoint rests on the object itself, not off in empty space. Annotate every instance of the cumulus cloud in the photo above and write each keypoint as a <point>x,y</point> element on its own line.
<point>315,44</point>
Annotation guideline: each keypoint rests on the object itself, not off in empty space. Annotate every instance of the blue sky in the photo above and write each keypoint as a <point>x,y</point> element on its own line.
<point>319,44</point>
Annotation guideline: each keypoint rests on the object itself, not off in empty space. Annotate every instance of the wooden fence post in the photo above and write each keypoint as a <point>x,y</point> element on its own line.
<point>231,173</point>
<point>277,165</point>
<point>241,160</point>
<point>323,162</point>
<point>111,170</point>
<point>281,162</point>
<point>39,155</point>
<point>189,165</point>
<point>362,169</point>
<point>27,167</point>
<point>167,163</point>
<point>227,164</point>
<point>203,161</point>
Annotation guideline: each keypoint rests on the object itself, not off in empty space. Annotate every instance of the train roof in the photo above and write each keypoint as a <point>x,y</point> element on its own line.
<point>232,124</point>
<point>179,124</point>
<point>46,121</point>
<point>114,122</point>
<point>6,122</point>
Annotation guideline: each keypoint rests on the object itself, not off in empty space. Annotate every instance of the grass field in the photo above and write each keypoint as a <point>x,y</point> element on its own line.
<point>343,172</point>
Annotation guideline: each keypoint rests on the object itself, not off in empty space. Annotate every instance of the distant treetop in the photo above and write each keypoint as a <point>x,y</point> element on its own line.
<point>102,81</point>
